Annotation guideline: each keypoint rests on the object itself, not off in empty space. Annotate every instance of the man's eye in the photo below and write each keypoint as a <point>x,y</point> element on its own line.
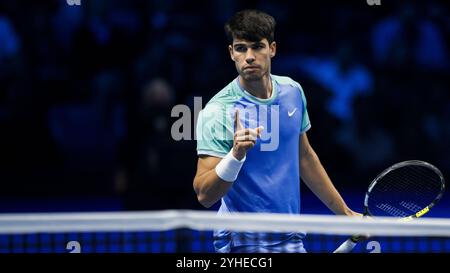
<point>256,47</point>
<point>241,48</point>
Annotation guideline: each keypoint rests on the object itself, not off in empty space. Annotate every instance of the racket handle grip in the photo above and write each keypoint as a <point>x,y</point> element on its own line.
<point>346,246</point>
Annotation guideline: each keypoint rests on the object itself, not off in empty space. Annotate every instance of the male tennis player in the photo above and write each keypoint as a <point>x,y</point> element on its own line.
<point>238,162</point>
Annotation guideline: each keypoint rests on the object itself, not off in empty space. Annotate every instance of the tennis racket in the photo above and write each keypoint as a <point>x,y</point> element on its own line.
<point>406,190</point>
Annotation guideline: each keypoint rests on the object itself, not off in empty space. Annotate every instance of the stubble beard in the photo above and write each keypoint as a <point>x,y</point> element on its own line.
<point>252,77</point>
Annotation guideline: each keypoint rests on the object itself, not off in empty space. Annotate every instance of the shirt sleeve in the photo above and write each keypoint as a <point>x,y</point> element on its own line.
<point>214,131</point>
<point>306,124</point>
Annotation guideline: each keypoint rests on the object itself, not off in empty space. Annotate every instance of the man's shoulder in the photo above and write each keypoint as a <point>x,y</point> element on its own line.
<point>227,96</point>
<point>285,80</point>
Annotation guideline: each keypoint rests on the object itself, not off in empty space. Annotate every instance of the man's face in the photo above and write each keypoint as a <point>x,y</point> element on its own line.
<point>252,59</point>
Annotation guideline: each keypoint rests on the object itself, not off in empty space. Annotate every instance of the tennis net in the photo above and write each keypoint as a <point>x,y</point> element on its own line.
<point>186,231</point>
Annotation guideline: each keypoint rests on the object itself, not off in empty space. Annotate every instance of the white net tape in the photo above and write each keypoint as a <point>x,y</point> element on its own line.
<point>207,220</point>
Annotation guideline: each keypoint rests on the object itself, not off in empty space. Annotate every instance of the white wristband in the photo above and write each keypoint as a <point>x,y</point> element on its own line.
<point>229,167</point>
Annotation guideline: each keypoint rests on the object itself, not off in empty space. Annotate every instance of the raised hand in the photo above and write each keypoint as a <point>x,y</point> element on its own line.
<point>244,138</point>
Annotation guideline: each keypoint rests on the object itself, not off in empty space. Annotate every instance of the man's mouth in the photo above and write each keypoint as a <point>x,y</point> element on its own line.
<point>251,67</point>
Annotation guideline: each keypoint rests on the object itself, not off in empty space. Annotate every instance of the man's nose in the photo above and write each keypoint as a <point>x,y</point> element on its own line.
<point>250,56</point>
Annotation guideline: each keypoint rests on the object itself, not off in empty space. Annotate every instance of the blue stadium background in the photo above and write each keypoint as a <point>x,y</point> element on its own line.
<point>86,93</point>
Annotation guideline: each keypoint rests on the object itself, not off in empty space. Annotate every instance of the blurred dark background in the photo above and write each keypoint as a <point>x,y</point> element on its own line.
<point>86,94</point>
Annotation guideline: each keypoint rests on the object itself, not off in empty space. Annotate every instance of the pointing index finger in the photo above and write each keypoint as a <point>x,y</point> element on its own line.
<point>237,122</point>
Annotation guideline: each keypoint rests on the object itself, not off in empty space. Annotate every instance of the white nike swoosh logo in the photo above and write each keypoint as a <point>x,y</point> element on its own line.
<point>291,113</point>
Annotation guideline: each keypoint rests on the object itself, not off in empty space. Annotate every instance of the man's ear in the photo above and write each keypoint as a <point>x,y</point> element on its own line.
<point>273,49</point>
<point>230,49</point>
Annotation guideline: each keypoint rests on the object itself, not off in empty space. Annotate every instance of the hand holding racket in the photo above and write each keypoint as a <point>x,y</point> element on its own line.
<point>406,190</point>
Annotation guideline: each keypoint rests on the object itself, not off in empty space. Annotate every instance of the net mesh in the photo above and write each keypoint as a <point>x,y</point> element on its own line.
<point>192,232</point>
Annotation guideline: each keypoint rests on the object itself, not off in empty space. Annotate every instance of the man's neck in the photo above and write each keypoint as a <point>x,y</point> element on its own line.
<point>261,89</point>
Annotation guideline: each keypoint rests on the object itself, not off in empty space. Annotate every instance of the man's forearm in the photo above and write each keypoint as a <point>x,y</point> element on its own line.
<point>316,178</point>
<point>210,188</point>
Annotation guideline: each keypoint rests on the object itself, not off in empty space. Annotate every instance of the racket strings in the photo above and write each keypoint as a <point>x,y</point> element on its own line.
<point>395,186</point>
<point>404,191</point>
<point>412,197</point>
<point>415,181</point>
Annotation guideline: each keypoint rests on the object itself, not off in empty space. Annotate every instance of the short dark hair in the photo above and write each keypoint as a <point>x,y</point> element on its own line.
<point>251,25</point>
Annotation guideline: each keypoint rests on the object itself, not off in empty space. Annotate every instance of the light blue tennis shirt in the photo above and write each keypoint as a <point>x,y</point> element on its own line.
<point>269,180</point>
